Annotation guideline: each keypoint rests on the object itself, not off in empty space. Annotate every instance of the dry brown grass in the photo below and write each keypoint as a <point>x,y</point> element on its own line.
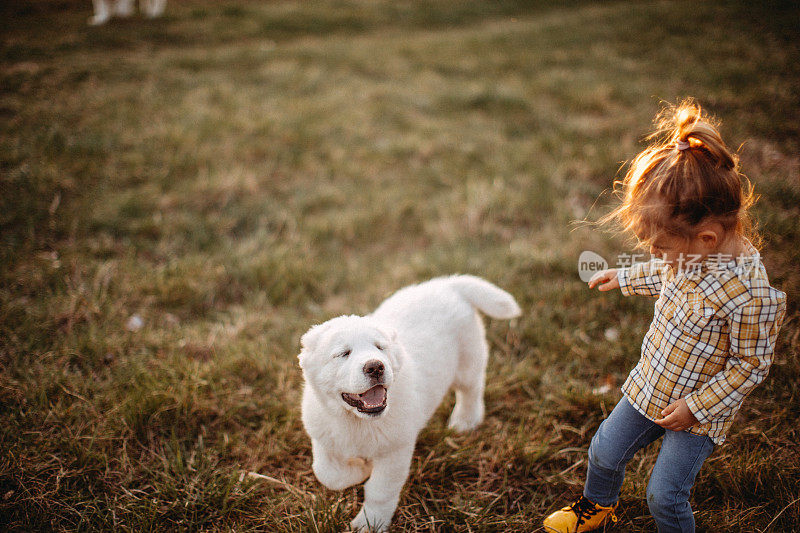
<point>237,171</point>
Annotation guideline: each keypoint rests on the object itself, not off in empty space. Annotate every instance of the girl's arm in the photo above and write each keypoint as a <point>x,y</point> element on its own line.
<point>753,329</point>
<point>644,279</point>
<point>607,279</point>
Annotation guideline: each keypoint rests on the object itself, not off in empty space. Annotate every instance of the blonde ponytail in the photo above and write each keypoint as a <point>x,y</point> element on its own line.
<point>686,176</point>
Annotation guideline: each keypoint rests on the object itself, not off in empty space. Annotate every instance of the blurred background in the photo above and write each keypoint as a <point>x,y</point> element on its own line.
<point>183,196</point>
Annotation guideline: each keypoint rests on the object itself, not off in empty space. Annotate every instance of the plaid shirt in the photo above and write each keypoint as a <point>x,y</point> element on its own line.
<point>711,341</point>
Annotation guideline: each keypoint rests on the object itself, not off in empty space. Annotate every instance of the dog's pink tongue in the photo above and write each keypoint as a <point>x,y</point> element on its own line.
<point>374,396</point>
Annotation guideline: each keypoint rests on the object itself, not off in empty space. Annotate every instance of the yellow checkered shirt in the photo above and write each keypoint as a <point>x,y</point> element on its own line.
<point>711,341</point>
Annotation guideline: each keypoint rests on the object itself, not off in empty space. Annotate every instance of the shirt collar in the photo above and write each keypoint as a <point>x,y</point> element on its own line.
<point>746,262</point>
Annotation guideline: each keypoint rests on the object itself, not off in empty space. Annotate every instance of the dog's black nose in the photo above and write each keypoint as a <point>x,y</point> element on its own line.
<point>374,369</point>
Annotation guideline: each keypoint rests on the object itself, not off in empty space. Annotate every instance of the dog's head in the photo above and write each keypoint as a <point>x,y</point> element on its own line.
<point>351,363</point>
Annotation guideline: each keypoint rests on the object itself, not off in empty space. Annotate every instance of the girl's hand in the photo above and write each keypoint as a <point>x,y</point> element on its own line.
<point>607,278</point>
<point>677,416</point>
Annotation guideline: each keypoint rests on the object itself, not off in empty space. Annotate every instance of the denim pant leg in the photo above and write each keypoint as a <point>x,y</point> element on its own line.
<point>679,460</point>
<point>618,438</point>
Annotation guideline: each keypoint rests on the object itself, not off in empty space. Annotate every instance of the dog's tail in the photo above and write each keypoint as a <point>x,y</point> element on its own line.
<point>485,297</point>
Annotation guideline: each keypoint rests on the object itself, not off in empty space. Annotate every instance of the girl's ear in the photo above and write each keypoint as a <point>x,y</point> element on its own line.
<point>310,340</point>
<point>710,234</point>
<point>708,238</point>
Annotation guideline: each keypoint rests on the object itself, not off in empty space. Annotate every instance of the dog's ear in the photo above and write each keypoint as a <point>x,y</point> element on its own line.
<point>395,350</point>
<point>310,340</point>
<point>390,333</point>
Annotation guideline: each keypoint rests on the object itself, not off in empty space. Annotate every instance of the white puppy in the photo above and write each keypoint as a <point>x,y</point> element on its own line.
<point>372,383</point>
<point>104,10</point>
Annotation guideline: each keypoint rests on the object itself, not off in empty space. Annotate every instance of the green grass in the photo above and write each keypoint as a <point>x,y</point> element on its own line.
<point>238,171</point>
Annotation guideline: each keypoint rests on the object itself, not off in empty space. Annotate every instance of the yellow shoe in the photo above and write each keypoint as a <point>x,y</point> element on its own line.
<point>582,515</point>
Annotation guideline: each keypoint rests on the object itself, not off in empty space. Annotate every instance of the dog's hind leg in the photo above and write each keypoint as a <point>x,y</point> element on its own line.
<point>337,474</point>
<point>470,379</point>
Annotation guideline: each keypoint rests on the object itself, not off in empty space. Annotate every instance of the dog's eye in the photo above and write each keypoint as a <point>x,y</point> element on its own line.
<point>379,346</point>
<point>344,353</point>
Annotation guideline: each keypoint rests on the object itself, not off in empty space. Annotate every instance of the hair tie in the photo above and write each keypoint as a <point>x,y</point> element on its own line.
<point>683,145</point>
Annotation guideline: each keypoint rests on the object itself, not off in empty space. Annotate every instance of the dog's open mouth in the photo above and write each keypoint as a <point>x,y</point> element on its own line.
<point>373,401</point>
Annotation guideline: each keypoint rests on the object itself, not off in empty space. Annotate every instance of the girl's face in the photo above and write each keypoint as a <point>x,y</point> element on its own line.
<point>681,253</point>
<point>676,251</point>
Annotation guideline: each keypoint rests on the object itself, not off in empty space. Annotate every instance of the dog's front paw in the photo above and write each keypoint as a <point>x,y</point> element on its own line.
<point>367,521</point>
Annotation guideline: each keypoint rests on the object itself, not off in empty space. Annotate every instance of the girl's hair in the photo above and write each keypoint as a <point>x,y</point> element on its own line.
<point>685,177</point>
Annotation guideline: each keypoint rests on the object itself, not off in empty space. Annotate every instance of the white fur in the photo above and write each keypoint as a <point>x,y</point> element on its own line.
<point>105,9</point>
<point>429,338</point>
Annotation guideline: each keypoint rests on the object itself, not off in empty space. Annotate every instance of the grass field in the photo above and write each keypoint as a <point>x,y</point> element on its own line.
<point>237,171</point>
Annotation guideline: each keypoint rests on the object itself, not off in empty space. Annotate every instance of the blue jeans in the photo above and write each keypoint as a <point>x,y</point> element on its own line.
<point>619,437</point>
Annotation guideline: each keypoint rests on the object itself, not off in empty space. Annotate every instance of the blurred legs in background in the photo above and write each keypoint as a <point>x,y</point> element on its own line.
<point>105,9</point>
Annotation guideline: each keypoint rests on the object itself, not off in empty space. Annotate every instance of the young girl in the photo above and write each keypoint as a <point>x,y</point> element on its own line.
<point>713,334</point>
